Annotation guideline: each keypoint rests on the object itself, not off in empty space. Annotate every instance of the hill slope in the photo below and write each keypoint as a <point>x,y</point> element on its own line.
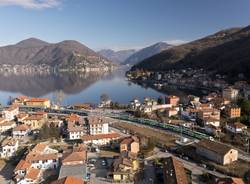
<point>226,52</point>
<point>146,53</point>
<point>116,56</point>
<point>64,55</point>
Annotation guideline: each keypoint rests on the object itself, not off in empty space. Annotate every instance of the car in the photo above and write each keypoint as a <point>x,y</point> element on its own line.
<point>104,163</point>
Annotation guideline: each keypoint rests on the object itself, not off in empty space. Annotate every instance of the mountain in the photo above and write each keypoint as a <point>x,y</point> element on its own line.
<point>65,55</point>
<point>146,53</point>
<point>116,56</point>
<point>226,52</point>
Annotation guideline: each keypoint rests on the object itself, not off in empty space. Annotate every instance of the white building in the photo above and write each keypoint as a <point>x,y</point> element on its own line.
<point>236,127</point>
<point>9,147</point>
<point>97,125</point>
<point>6,126</point>
<point>20,131</point>
<point>10,113</point>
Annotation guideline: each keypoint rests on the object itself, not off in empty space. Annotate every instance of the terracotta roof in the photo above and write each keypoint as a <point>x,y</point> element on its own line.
<point>75,157</point>
<point>34,117</point>
<point>22,165</point>
<point>39,148</point>
<point>177,172</point>
<point>100,136</point>
<point>73,118</point>
<point>35,157</point>
<point>8,123</point>
<point>38,100</point>
<point>129,140</point>
<point>229,181</point>
<point>9,142</point>
<point>22,98</point>
<point>11,108</point>
<point>33,174</point>
<point>96,120</point>
<point>22,115</point>
<point>22,127</point>
<point>68,180</point>
<point>214,146</point>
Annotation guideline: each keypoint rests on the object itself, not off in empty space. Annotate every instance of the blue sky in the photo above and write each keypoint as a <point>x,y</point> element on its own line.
<point>118,24</point>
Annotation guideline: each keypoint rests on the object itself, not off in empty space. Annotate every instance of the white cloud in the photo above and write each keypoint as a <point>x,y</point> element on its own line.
<point>31,4</point>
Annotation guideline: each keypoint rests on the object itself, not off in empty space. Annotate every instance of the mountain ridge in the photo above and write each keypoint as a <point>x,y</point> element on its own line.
<point>68,54</point>
<point>146,53</point>
<point>226,52</point>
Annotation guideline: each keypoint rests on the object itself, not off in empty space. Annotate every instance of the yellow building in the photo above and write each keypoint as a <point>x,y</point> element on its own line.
<point>233,112</point>
<point>38,102</point>
<point>34,121</point>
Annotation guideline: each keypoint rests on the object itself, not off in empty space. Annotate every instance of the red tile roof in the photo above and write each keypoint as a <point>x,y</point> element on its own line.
<point>33,174</point>
<point>22,165</point>
<point>22,127</point>
<point>68,180</point>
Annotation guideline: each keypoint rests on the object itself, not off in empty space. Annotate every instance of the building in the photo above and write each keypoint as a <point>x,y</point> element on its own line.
<point>9,147</point>
<point>20,100</point>
<point>173,100</point>
<point>212,130</point>
<point>130,144</point>
<point>230,93</point>
<point>124,169</point>
<point>97,125</point>
<point>21,116</point>
<point>100,139</point>
<point>74,163</point>
<point>236,127</point>
<point>219,153</point>
<point>34,121</point>
<point>76,127</point>
<point>68,180</point>
<point>233,111</point>
<point>209,113</point>
<point>38,102</point>
<point>211,121</point>
<point>7,126</point>
<point>20,131</point>
<point>43,157</point>
<point>10,113</point>
<point>171,112</point>
<point>174,172</point>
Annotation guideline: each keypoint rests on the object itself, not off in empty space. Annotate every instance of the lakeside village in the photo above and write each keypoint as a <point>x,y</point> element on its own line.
<point>202,140</point>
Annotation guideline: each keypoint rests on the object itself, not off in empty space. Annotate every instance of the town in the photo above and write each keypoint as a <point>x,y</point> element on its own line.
<point>199,139</point>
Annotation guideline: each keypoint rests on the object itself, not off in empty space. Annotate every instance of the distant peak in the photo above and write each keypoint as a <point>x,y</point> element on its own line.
<point>31,42</point>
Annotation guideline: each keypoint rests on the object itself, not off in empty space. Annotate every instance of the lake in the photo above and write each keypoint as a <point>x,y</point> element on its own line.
<point>68,89</point>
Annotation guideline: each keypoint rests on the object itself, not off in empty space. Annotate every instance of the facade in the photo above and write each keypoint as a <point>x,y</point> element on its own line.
<point>173,100</point>
<point>9,147</point>
<point>100,139</point>
<point>7,126</point>
<point>174,172</point>
<point>97,125</point>
<point>219,153</point>
<point>230,93</point>
<point>130,144</point>
<point>209,113</point>
<point>38,102</point>
<point>10,113</point>
<point>20,100</point>
<point>20,131</point>
<point>76,127</point>
<point>40,158</point>
<point>171,112</point>
<point>236,127</point>
<point>211,121</point>
<point>233,112</point>
<point>34,121</point>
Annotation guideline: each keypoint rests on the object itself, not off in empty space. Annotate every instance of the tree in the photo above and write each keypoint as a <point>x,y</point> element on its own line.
<point>247,176</point>
<point>104,97</point>
<point>160,100</point>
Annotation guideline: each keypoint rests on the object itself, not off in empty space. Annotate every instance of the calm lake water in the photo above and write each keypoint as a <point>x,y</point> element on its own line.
<point>68,89</point>
<point>71,88</point>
